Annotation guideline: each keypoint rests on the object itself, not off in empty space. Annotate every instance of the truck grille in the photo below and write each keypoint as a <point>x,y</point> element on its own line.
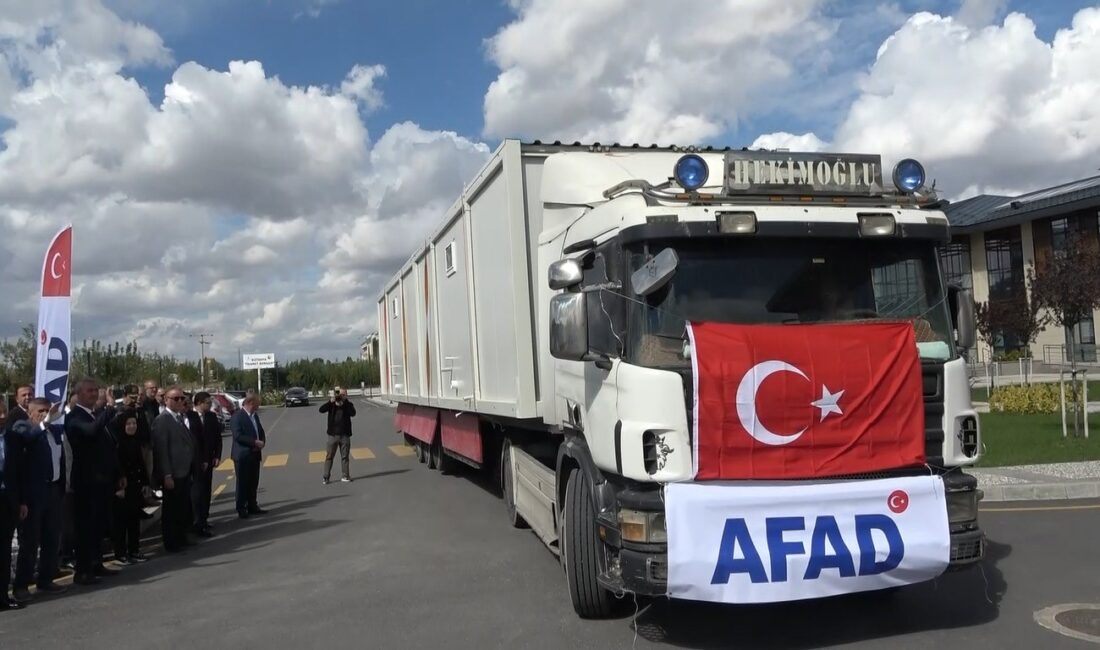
<point>932,388</point>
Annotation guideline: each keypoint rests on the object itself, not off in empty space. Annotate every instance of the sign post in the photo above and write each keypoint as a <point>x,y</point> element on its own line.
<point>258,362</point>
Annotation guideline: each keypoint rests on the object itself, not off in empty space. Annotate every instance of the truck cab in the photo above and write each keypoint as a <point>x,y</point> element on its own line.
<point>742,238</point>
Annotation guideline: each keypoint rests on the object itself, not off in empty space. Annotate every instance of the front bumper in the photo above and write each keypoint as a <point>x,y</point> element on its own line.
<point>643,568</point>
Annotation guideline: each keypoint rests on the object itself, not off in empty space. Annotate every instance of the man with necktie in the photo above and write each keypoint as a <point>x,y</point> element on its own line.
<point>13,509</point>
<point>44,490</point>
<point>174,460</point>
<point>95,476</point>
<point>248,442</point>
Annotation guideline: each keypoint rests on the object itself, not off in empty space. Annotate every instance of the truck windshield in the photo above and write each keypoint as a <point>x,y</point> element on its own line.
<point>751,280</point>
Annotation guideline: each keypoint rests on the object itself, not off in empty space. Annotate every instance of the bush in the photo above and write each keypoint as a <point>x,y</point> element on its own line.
<point>1013,355</point>
<point>1030,398</point>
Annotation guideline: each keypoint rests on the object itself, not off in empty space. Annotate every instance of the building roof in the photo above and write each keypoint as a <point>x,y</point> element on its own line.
<point>986,211</point>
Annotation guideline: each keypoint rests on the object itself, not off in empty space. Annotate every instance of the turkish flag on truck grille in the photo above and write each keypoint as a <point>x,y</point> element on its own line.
<point>805,401</point>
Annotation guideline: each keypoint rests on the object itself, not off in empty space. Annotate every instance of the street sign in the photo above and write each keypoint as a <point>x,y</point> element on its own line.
<point>257,361</point>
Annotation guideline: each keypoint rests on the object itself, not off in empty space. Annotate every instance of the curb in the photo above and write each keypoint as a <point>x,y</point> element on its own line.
<point>1041,491</point>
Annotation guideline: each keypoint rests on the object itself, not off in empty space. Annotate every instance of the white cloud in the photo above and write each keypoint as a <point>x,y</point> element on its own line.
<point>223,209</point>
<point>647,71</point>
<point>789,141</point>
<point>980,13</point>
<point>992,109</point>
<point>361,84</point>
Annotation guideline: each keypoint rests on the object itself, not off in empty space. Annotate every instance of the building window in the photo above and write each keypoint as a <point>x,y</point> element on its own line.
<point>1004,256</point>
<point>449,258</point>
<point>955,259</point>
<point>396,307</point>
<point>1059,236</point>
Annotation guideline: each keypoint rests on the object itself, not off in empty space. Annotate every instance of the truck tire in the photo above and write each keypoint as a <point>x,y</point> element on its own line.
<point>582,553</point>
<point>421,452</point>
<point>508,488</point>
<point>435,451</point>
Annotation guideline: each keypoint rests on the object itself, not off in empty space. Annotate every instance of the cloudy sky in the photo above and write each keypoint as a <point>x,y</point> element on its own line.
<point>255,169</point>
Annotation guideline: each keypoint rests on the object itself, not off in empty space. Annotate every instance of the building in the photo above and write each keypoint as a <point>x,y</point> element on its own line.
<point>368,349</point>
<point>996,239</point>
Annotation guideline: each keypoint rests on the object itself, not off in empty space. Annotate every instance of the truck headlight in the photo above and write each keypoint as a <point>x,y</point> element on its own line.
<point>642,527</point>
<point>962,506</point>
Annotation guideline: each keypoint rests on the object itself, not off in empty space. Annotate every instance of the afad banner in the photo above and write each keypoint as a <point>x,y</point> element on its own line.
<point>772,542</point>
<point>51,370</point>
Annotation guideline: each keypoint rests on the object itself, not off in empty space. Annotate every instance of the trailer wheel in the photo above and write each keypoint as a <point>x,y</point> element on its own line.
<point>508,488</point>
<point>582,552</point>
<point>421,452</point>
<point>435,451</point>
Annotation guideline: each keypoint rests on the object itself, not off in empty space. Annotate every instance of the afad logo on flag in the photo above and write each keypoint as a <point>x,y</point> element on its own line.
<point>805,401</point>
<point>51,371</point>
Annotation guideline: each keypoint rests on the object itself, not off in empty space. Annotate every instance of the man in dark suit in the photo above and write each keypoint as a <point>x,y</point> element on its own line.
<point>43,486</point>
<point>95,477</point>
<point>13,509</point>
<point>248,442</point>
<point>174,459</point>
<point>211,430</point>
<point>23,396</point>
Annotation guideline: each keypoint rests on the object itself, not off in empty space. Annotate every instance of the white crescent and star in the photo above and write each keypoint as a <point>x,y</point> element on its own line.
<point>746,402</point>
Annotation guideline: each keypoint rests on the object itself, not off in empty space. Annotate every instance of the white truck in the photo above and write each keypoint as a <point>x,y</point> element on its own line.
<point>539,332</point>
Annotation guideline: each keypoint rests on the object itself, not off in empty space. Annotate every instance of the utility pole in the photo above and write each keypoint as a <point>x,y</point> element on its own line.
<point>203,341</point>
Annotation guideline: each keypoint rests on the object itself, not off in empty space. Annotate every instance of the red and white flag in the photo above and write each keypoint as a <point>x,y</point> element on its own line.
<point>805,401</point>
<point>51,370</point>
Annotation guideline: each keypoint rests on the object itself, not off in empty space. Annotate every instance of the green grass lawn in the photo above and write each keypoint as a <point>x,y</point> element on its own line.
<point>1012,439</point>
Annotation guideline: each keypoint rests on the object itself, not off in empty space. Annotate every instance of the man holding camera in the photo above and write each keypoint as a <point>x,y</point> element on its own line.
<point>340,411</point>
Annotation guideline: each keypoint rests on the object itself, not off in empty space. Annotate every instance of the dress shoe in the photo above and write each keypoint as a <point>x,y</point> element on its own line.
<point>138,558</point>
<point>7,603</point>
<point>243,514</point>
<point>123,560</point>
<point>21,595</point>
<point>257,511</point>
<point>87,579</point>
<point>205,533</point>
<point>105,572</point>
<point>51,588</point>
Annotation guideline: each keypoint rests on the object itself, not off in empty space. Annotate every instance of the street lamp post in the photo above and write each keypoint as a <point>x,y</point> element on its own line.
<point>202,355</point>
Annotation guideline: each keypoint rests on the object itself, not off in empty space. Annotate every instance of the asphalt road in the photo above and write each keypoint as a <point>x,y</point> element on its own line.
<point>408,558</point>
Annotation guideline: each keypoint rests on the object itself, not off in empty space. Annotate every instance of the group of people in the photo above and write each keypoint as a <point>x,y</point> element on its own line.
<point>65,487</point>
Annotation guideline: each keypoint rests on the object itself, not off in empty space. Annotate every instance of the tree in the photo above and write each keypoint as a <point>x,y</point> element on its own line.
<point>17,360</point>
<point>1067,285</point>
<point>1019,318</point>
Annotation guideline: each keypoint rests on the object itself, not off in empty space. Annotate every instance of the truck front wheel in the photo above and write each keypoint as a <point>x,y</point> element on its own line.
<point>583,555</point>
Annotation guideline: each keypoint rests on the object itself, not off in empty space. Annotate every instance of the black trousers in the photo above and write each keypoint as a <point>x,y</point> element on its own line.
<point>248,481</point>
<point>40,534</point>
<point>201,492</point>
<point>92,505</point>
<point>126,532</point>
<point>8,518</point>
<point>175,516</point>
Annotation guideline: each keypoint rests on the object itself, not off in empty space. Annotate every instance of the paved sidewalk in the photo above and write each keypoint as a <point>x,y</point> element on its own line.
<point>1040,482</point>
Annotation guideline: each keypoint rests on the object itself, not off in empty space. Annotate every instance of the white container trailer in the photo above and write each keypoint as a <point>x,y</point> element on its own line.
<point>541,333</point>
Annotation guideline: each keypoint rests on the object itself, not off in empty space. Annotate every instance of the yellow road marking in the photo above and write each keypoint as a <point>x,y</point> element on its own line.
<point>1042,508</point>
<point>317,456</point>
<point>362,453</point>
<point>218,490</point>
<point>226,466</point>
<point>402,450</point>
<point>276,460</point>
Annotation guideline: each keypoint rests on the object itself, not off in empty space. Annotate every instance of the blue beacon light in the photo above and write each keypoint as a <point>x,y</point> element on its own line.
<point>691,172</point>
<point>909,176</point>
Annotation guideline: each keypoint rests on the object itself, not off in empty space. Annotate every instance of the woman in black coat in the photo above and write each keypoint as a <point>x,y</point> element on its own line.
<point>129,502</point>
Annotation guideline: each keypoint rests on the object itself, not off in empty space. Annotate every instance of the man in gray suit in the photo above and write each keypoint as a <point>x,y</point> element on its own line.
<point>174,461</point>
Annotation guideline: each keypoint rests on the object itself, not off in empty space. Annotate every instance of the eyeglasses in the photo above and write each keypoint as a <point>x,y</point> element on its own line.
<point>177,398</point>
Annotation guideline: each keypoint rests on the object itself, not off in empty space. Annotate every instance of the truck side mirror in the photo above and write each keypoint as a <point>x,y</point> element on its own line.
<point>966,326</point>
<point>569,326</point>
<point>564,274</point>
